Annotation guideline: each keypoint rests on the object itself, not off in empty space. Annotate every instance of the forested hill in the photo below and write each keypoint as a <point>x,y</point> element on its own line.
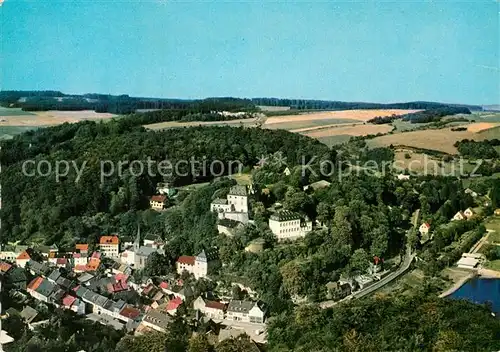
<point>124,104</point>
<point>48,208</point>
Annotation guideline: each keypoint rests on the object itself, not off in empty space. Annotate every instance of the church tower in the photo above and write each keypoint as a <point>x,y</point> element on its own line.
<point>137,242</point>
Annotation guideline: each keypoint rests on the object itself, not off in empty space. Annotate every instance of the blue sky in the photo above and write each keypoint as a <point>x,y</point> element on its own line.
<point>354,51</point>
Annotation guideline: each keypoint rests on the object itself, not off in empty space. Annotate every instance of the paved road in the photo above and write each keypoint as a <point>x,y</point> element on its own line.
<point>405,265</point>
<point>408,259</point>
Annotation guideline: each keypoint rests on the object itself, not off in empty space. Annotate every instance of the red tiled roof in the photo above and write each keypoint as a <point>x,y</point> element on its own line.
<point>82,247</point>
<point>121,277</point>
<point>148,289</point>
<point>96,255</point>
<point>23,256</point>
<point>80,267</point>
<point>93,264</point>
<point>130,312</point>
<point>77,255</point>
<point>109,240</point>
<point>174,303</point>
<point>186,259</point>
<point>33,285</point>
<point>68,300</point>
<point>117,287</point>
<point>215,305</point>
<point>426,224</point>
<point>62,261</point>
<point>4,267</point>
<point>158,198</point>
<point>164,285</point>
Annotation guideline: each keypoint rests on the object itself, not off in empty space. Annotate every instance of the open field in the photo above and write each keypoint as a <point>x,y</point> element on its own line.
<point>486,116</point>
<point>303,126</point>
<point>357,115</point>
<point>356,130</point>
<point>49,118</point>
<point>439,139</point>
<point>13,112</point>
<point>253,122</point>
<point>480,126</point>
<point>422,163</point>
<point>490,133</point>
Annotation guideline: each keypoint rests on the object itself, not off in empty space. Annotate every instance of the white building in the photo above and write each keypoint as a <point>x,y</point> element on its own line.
<point>10,253</point>
<point>471,192</point>
<point>109,246</point>
<point>137,255</point>
<point>424,228</point>
<point>200,265</point>
<point>468,213</point>
<point>459,216</point>
<point>234,207</point>
<point>246,311</point>
<point>211,309</point>
<point>157,202</point>
<point>287,225</point>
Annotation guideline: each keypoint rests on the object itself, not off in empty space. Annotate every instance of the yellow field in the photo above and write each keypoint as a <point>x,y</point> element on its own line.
<point>50,118</point>
<point>440,139</point>
<point>358,115</point>
<point>352,130</point>
<point>480,126</point>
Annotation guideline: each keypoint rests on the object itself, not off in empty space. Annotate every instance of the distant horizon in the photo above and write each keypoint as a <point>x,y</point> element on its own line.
<point>337,51</point>
<point>253,97</point>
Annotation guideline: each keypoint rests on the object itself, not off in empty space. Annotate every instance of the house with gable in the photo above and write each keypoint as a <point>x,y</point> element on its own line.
<point>459,216</point>
<point>200,265</point>
<point>158,202</point>
<point>211,309</point>
<point>424,228</point>
<point>246,311</point>
<point>109,246</point>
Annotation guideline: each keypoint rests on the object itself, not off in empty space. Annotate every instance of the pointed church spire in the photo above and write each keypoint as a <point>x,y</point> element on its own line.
<point>137,242</point>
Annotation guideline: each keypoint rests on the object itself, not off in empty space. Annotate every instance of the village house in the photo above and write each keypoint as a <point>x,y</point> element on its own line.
<point>15,278</point>
<point>37,268</point>
<point>109,246</point>
<point>23,258</point>
<point>287,225</point>
<point>424,228</point>
<point>156,320</point>
<point>41,289</point>
<point>200,265</point>
<point>246,311</point>
<point>158,202</point>
<point>471,192</point>
<point>82,248</point>
<point>337,291</point>
<point>469,213</point>
<point>459,216</point>
<point>80,259</point>
<point>211,309</point>
<point>47,250</point>
<point>173,305</point>
<point>11,252</point>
